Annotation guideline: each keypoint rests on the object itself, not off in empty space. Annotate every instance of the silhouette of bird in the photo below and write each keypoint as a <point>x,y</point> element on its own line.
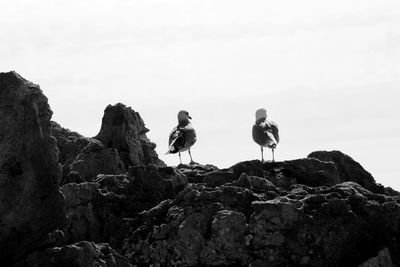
<point>182,137</point>
<point>265,132</point>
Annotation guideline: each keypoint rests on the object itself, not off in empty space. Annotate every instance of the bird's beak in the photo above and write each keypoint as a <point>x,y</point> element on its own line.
<point>189,117</point>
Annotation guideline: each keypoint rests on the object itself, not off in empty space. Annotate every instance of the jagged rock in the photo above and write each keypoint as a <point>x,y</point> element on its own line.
<point>340,225</point>
<point>188,230</point>
<point>195,173</point>
<point>93,213</point>
<point>349,169</point>
<point>69,144</point>
<point>31,205</point>
<point>123,129</point>
<point>274,172</point>
<point>82,254</point>
<point>321,168</point>
<point>255,184</point>
<point>391,192</point>
<point>97,210</point>
<point>84,158</point>
<point>96,159</point>
<point>325,210</point>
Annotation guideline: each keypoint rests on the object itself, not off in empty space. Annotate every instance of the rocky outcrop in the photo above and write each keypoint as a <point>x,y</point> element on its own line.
<point>121,143</point>
<point>98,211</point>
<point>123,129</point>
<point>323,210</point>
<point>349,169</point>
<point>31,205</point>
<point>339,225</point>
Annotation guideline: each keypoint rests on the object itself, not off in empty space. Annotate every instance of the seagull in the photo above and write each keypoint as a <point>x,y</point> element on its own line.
<point>265,132</point>
<point>182,137</point>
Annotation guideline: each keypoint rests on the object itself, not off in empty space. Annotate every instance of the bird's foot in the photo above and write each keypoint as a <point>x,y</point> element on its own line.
<point>192,162</point>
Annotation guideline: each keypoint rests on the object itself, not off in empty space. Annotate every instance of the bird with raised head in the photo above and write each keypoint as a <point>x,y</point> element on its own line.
<point>182,137</point>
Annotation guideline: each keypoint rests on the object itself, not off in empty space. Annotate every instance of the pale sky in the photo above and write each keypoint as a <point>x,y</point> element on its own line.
<point>328,72</point>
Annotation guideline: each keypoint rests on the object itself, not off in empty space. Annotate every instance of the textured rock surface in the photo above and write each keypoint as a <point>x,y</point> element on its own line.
<point>96,211</point>
<point>95,159</point>
<point>324,210</point>
<point>82,254</point>
<point>152,184</point>
<point>69,144</point>
<point>123,129</point>
<point>31,205</point>
<point>195,172</point>
<point>341,225</point>
<point>349,169</point>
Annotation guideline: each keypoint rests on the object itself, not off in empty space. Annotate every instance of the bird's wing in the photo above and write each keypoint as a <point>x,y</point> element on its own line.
<point>173,135</point>
<point>270,130</point>
<point>177,139</point>
<point>274,130</point>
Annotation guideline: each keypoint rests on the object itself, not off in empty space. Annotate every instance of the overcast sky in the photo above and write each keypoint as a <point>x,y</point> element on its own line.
<point>328,72</point>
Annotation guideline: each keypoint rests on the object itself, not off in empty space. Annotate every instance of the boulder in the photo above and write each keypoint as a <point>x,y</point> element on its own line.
<point>31,205</point>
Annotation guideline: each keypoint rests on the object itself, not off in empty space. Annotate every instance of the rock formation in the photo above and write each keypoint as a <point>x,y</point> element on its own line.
<point>31,205</point>
<point>121,206</point>
<point>252,221</point>
<point>123,129</point>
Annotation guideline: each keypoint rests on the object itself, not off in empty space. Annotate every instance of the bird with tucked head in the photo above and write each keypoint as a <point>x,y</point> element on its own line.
<point>182,137</point>
<point>265,132</point>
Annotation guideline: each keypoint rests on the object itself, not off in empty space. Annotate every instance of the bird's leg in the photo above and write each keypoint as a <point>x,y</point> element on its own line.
<point>273,158</point>
<point>262,154</point>
<point>180,160</point>
<point>191,160</point>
